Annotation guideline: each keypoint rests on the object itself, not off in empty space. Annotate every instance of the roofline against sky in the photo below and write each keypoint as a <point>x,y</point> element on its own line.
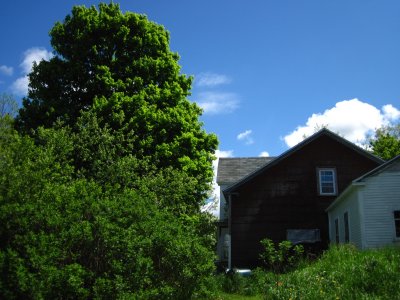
<point>359,182</point>
<point>297,147</point>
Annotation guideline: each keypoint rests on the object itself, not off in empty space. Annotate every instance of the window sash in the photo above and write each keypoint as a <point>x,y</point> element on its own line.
<point>327,181</point>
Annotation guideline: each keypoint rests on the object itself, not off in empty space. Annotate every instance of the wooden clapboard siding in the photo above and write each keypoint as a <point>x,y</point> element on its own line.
<point>381,197</point>
<point>378,196</point>
<point>353,208</point>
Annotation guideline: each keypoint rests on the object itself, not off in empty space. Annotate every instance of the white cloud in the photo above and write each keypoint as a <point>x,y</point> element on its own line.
<point>8,71</point>
<point>34,54</point>
<point>211,79</point>
<point>246,137</point>
<point>390,113</point>
<point>353,119</point>
<point>20,86</point>
<point>264,154</point>
<point>222,153</point>
<point>218,103</point>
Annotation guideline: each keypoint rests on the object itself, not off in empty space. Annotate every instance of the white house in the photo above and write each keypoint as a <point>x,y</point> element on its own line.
<point>367,213</point>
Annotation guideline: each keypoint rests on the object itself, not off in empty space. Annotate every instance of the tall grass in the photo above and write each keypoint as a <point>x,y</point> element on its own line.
<point>341,273</point>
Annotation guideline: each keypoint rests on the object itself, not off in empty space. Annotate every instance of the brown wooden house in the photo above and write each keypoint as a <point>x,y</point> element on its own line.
<point>285,198</point>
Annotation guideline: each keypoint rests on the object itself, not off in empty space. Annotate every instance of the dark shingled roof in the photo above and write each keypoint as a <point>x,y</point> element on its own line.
<point>233,169</point>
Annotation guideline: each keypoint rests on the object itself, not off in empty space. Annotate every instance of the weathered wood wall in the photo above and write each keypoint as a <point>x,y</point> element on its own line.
<point>285,196</point>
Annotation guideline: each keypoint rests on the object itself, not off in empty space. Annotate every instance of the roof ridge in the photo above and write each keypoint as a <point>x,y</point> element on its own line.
<point>299,146</point>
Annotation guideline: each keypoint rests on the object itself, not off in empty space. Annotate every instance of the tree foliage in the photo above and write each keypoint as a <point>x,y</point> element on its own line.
<point>119,67</point>
<point>69,237</point>
<point>101,184</point>
<point>386,142</point>
<point>8,109</point>
<point>8,105</point>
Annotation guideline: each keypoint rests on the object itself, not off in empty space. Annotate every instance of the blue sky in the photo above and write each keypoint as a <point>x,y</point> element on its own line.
<point>266,72</point>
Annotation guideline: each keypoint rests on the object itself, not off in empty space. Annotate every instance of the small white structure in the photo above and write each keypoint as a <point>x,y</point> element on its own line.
<point>367,213</point>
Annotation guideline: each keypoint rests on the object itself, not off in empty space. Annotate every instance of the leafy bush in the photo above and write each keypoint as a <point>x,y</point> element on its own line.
<point>282,258</point>
<point>67,236</point>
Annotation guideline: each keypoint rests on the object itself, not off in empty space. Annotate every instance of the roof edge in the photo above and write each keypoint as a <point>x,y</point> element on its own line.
<point>377,169</point>
<point>289,152</point>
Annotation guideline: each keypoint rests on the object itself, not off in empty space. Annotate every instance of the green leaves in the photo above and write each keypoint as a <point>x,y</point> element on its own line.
<point>102,199</point>
<point>282,257</point>
<point>119,68</point>
<point>117,227</point>
<point>386,143</point>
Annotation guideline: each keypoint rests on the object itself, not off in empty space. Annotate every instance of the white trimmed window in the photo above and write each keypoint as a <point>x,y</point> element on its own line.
<point>327,181</point>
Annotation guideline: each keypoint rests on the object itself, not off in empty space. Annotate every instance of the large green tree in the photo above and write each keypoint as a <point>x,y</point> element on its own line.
<point>120,67</point>
<point>386,142</point>
<point>100,189</point>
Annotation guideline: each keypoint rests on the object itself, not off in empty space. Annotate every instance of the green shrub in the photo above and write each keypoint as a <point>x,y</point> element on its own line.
<point>282,258</point>
<point>64,237</point>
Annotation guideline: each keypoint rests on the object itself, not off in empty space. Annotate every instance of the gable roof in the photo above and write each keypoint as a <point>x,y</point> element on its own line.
<point>291,151</point>
<point>233,169</point>
<point>394,162</point>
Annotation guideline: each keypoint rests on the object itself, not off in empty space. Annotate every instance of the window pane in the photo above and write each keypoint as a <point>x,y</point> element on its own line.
<point>327,182</point>
<point>327,189</point>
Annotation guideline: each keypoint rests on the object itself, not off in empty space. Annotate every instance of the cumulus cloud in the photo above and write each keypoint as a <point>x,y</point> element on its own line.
<point>217,102</point>
<point>246,137</point>
<point>264,154</point>
<point>211,79</point>
<point>353,119</point>
<point>390,113</point>
<point>8,71</point>
<point>222,153</point>
<point>20,86</point>
<point>34,55</point>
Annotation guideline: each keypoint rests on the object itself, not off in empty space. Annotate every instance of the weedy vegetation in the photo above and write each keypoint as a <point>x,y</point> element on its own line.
<point>342,272</point>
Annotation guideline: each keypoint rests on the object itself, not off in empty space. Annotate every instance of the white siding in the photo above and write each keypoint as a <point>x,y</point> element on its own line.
<point>381,198</point>
<point>351,206</point>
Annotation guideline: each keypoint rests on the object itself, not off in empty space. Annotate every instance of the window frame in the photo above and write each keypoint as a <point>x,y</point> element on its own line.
<point>346,225</point>
<point>396,220</point>
<point>321,182</point>
<point>337,233</point>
